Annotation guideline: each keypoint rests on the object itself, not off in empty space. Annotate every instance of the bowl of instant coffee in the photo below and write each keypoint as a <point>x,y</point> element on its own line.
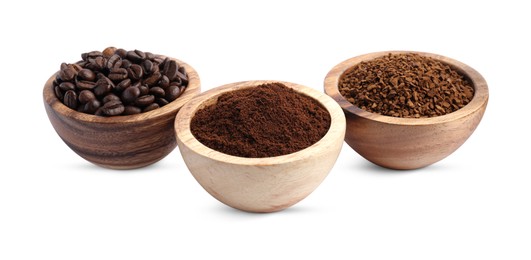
<point>115,108</point>
<point>407,110</point>
<point>260,146</point>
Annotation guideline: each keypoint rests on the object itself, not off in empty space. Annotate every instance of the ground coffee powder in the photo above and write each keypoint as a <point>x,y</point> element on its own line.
<point>406,85</point>
<point>262,121</point>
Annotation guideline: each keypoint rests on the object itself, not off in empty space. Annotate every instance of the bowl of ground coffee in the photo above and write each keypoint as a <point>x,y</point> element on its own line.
<point>116,108</point>
<point>407,110</point>
<point>260,146</point>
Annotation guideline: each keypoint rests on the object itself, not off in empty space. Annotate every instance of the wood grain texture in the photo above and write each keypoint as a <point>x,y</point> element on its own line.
<point>408,143</point>
<point>120,142</point>
<point>259,184</point>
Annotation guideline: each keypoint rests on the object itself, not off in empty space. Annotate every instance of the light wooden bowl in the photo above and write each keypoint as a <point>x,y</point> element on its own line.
<point>408,143</point>
<point>259,184</point>
<point>119,142</point>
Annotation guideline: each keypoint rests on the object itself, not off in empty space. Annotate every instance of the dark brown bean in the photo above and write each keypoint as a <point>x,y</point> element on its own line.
<point>171,69</point>
<point>113,108</point>
<point>144,90</point>
<point>135,72</point>
<point>152,106</point>
<point>110,97</point>
<point>153,79</point>
<point>92,54</point>
<point>102,87</point>
<point>67,74</point>
<point>164,81</point>
<point>130,94</point>
<point>114,62</point>
<point>157,91</point>
<point>126,64</point>
<point>85,96</point>
<point>149,55</point>
<point>121,52</point>
<point>136,56</point>
<point>172,93</point>
<point>86,74</point>
<point>58,93</point>
<point>92,106</point>
<point>96,64</point>
<point>66,86</point>
<point>131,110</point>
<point>70,99</point>
<point>161,101</point>
<point>147,65</point>
<point>145,100</point>
<point>118,74</point>
<point>83,84</point>
<point>123,85</point>
<point>183,77</point>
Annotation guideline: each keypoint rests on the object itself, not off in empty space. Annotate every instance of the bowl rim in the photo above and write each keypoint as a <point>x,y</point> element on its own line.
<point>480,98</point>
<point>184,135</point>
<point>193,88</point>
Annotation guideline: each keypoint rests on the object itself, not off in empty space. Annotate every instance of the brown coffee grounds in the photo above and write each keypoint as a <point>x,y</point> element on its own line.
<point>406,85</point>
<point>263,121</point>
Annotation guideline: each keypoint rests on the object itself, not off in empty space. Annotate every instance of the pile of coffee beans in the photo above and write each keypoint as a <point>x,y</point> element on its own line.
<point>119,82</point>
<point>406,85</point>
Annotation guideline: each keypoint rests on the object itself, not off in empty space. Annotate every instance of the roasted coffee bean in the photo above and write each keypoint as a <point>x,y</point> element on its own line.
<point>182,70</point>
<point>152,106</point>
<point>123,85</point>
<point>147,65</point>
<point>136,56</point>
<point>118,74</point>
<point>108,52</point>
<point>135,72</point>
<point>114,62</point>
<point>183,77</point>
<point>131,110</point>
<point>84,84</point>
<point>92,106</point>
<point>113,108</point>
<point>149,55</point>
<point>96,64</point>
<point>58,93</point>
<point>85,96</point>
<point>164,81</point>
<point>172,93</point>
<point>171,69</point>
<point>145,100</point>
<point>153,79</point>
<point>110,97</point>
<point>176,82</point>
<point>161,101</point>
<point>157,91</point>
<point>86,74</point>
<point>144,90</point>
<point>121,52</point>
<point>92,54</point>
<point>126,64</point>
<point>66,86</point>
<point>70,99</point>
<point>102,87</point>
<point>67,74</point>
<point>130,94</point>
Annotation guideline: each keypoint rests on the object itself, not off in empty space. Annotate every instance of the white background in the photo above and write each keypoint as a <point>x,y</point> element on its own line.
<point>475,204</point>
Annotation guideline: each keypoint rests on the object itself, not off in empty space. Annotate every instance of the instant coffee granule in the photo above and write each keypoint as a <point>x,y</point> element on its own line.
<point>406,85</point>
<point>263,121</point>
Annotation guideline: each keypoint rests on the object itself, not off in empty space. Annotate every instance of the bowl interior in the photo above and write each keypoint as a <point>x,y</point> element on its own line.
<point>478,83</point>
<point>187,112</point>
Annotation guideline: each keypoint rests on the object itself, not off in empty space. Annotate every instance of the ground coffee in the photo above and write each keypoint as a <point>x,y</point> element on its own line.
<point>406,85</point>
<point>262,121</point>
<point>119,82</point>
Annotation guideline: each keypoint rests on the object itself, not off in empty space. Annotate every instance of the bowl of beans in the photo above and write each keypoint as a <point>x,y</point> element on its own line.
<point>405,109</point>
<point>116,108</point>
<point>260,146</point>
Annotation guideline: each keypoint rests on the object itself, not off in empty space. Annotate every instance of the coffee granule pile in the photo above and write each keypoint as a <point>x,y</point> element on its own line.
<point>406,85</point>
<point>263,121</point>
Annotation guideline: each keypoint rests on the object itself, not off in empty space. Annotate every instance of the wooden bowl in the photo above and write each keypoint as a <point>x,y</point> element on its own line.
<point>408,143</point>
<point>119,142</point>
<point>259,184</point>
